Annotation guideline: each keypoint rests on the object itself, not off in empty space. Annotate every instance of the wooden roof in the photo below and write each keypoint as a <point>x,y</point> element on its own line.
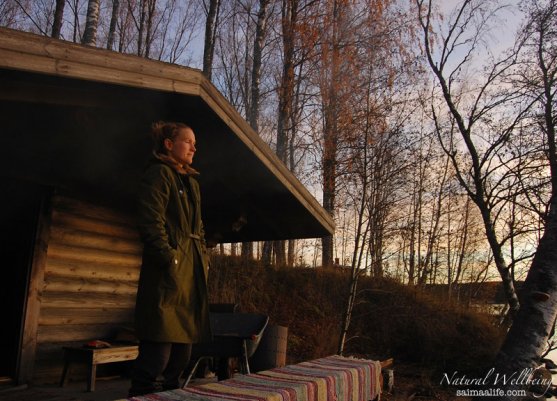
<point>78,118</point>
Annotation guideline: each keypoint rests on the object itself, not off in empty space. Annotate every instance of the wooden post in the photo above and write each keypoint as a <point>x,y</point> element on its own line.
<point>26,358</point>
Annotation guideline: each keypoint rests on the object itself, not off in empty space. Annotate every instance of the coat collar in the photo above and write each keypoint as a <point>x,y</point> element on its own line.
<point>188,170</point>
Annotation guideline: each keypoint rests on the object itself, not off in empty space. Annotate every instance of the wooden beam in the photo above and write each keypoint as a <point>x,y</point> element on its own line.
<point>33,305</point>
<point>83,316</point>
<point>88,300</point>
<point>387,363</point>
<point>81,239</point>
<point>74,332</point>
<point>29,52</point>
<point>83,269</point>
<point>100,257</point>
<point>89,224</point>
<point>387,375</point>
<point>75,285</point>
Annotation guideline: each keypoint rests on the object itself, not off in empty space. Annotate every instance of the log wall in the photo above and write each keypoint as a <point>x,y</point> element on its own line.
<point>90,280</point>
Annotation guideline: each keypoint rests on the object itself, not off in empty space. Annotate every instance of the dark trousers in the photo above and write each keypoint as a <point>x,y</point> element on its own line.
<point>156,359</point>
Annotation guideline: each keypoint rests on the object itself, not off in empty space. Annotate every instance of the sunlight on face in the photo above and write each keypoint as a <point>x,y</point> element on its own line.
<point>182,148</point>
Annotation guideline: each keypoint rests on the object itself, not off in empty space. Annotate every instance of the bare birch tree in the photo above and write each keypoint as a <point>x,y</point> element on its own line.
<point>58,17</point>
<point>113,23</point>
<point>211,25</point>
<point>362,230</point>
<point>254,104</point>
<point>476,169</point>
<point>532,326</point>
<point>91,23</point>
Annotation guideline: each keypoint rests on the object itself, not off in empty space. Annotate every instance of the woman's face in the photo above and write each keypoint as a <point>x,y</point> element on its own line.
<point>182,148</point>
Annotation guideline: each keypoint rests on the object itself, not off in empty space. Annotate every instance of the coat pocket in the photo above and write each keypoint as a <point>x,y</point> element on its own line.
<point>170,271</point>
<point>170,296</point>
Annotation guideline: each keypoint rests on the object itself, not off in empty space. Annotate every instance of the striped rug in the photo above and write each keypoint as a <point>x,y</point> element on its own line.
<point>334,378</point>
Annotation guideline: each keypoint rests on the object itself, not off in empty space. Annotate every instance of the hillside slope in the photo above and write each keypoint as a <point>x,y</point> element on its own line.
<point>390,320</point>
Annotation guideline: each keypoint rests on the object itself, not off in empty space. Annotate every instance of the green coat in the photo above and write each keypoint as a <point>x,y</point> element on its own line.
<point>172,303</point>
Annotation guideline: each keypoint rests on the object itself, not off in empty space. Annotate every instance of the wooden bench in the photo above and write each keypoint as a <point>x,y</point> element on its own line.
<point>331,378</point>
<point>387,375</point>
<point>96,356</point>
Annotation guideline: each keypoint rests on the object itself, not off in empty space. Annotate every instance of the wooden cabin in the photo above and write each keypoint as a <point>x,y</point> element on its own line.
<point>74,140</point>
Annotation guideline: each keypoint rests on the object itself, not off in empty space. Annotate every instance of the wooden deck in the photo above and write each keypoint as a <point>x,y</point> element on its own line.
<point>112,389</point>
<point>106,389</point>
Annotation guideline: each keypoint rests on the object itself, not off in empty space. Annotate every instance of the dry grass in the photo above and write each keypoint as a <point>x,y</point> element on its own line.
<point>390,320</point>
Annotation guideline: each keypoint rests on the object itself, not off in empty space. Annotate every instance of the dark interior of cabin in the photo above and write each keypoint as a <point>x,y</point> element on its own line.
<point>20,203</point>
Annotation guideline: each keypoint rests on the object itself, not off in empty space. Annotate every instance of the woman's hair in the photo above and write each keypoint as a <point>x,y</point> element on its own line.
<point>162,130</point>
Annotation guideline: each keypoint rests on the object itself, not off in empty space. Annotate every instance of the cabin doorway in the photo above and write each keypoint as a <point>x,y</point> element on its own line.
<point>20,204</point>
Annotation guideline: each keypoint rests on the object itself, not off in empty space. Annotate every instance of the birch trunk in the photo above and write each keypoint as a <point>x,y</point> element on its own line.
<point>141,26</point>
<point>91,23</point>
<point>472,176</point>
<point>210,37</point>
<point>113,21</point>
<point>527,339</point>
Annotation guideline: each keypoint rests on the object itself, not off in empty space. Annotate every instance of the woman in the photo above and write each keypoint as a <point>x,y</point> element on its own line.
<point>172,309</point>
